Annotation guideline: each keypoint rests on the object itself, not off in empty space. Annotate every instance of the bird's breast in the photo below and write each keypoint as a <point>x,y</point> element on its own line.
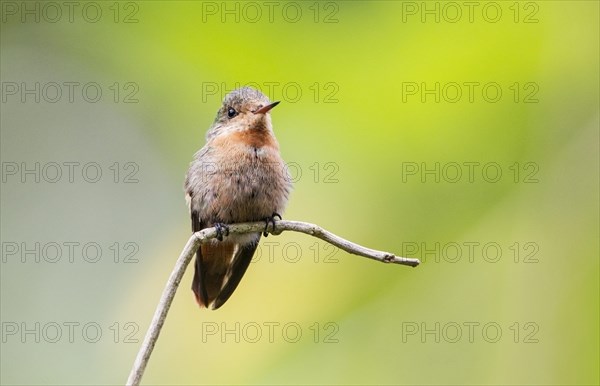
<point>250,181</point>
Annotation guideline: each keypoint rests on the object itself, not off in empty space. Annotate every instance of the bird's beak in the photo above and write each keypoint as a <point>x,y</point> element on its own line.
<point>265,109</point>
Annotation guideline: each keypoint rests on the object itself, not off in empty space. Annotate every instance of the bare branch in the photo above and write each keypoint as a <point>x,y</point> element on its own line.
<point>202,236</point>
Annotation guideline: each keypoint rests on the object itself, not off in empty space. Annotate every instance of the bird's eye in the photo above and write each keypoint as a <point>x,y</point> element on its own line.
<point>231,112</point>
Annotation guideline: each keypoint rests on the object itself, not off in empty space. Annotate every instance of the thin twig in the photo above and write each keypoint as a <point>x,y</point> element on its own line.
<point>209,233</point>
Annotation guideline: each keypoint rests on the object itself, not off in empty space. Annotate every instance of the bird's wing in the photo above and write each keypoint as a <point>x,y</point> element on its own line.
<point>236,270</point>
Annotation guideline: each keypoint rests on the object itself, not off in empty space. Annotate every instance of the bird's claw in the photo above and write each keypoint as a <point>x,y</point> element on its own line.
<point>222,230</point>
<point>270,220</point>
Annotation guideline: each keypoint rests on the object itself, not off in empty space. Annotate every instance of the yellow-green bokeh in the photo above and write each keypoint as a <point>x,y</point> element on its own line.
<point>351,134</point>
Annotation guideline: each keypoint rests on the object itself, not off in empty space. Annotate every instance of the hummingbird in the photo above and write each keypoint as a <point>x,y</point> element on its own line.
<point>238,176</point>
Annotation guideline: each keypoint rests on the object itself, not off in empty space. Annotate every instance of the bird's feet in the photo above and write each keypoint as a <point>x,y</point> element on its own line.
<point>270,220</point>
<point>222,230</point>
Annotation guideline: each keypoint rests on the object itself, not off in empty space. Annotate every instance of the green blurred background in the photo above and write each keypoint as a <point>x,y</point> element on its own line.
<point>354,129</point>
